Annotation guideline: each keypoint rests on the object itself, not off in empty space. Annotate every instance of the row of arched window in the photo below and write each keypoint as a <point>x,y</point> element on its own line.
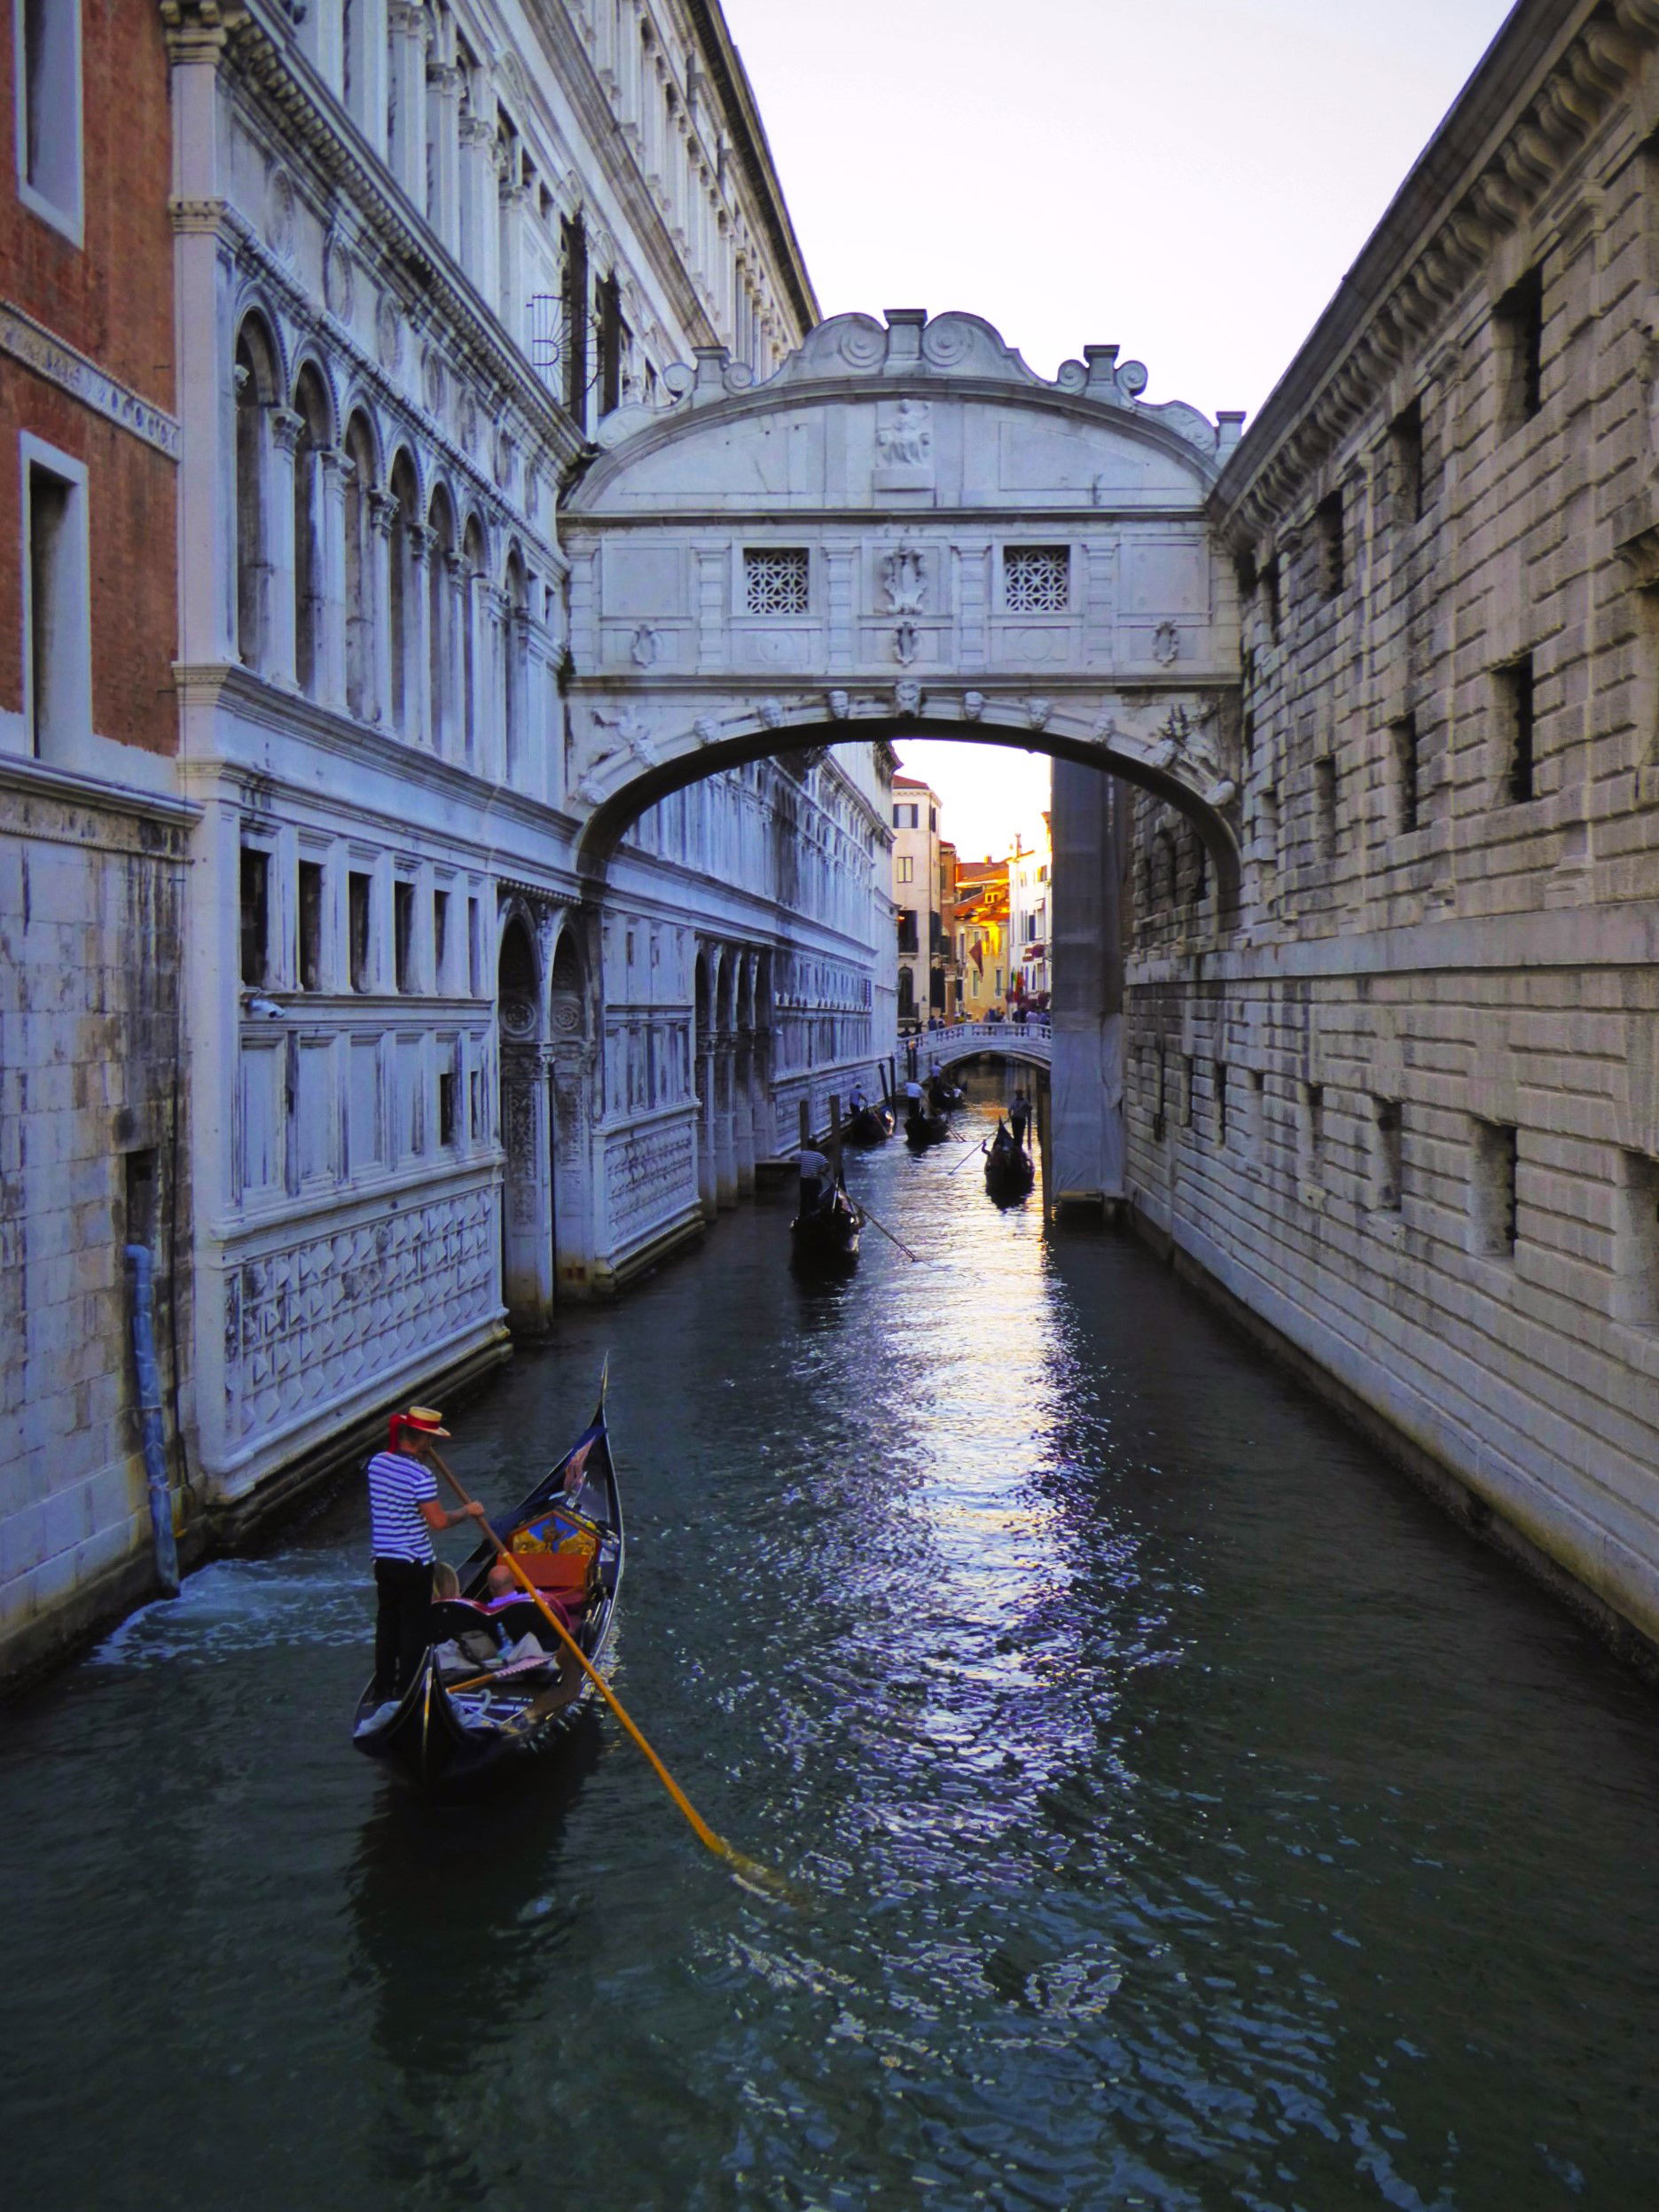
<point>351,592</point>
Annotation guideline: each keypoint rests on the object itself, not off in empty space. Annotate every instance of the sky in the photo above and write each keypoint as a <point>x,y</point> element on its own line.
<point>1188,180</point>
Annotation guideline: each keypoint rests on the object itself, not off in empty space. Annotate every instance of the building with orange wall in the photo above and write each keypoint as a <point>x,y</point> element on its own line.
<point>92,842</point>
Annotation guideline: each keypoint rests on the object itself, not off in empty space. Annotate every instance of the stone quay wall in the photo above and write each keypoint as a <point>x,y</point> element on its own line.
<point>1402,1105</point>
<point>91,1132</point>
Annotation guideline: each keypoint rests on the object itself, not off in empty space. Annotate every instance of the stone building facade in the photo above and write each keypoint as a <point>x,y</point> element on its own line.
<point>1401,1100</point>
<point>93,1128</point>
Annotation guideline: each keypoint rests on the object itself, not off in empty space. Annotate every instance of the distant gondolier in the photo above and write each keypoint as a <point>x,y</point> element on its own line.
<point>1019,1115</point>
<point>404,1511</point>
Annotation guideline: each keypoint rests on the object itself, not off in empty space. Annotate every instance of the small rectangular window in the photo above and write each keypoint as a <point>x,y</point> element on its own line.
<point>57,680</point>
<point>1388,1164</point>
<point>1220,1076</point>
<point>1037,579</point>
<point>359,903</point>
<point>1271,600</point>
<point>1327,523</point>
<point>474,949</point>
<point>142,1212</point>
<point>1636,1251</point>
<point>1403,746</point>
<point>475,1104</point>
<point>906,869</point>
<point>1518,330</point>
<point>404,934</point>
<point>440,939</point>
<point>256,915</point>
<point>1405,445</point>
<point>1513,703</point>
<point>1313,1131</point>
<point>906,817</point>
<point>1189,1088</point>
<point>310,948</point>
<point>1494,1189</point>
<point>49,111</point>
<point>446,1106</point>
<point>1325,806</point>
<point>775,581</point>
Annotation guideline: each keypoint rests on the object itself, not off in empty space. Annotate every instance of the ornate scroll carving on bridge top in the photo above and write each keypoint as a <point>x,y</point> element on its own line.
<point>959,348</point>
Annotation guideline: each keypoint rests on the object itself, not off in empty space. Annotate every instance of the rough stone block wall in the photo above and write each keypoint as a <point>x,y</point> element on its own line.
<point>1403,1106</point>
<point>91,902</point>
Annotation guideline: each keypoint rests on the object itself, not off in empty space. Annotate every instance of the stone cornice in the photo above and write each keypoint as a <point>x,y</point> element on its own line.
<point>737,101</point>
<point>1543,88</point>
<point>40,779</point>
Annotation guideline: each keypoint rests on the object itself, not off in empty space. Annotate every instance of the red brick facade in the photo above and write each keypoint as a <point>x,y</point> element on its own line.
<point>110,298</point>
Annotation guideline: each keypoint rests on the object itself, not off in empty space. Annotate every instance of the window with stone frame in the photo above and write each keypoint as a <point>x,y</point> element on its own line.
<point>1330,532</point>
<point>1494,1189</point>
<point>1518,339</point>
<point>1407,760</point>
<point>49,111</point>
<point>1388,1156</point>
<point>1407,484</point>
<point>1037,579</point>
<point>775,580</point>
<point>1516,715</point>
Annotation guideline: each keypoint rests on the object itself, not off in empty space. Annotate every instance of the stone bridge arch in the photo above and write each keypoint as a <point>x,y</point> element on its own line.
<point>903,531</point>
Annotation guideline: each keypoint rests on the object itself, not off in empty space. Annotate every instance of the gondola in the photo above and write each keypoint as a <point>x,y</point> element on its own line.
<point>1009,1169</point>
<point>482,1701</point>
<point>870,1125</point>
<point>923,1127</point>
<point>826,1238</point>
<point>944,1098</point>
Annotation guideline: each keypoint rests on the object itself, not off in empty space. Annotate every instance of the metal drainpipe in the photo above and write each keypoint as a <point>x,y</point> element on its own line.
<point>142,1262</point>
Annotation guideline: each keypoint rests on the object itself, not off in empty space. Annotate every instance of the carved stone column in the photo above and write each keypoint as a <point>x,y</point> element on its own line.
<point>725,1143</point>
<point>417,647</point>
<point>331,657</point>
<point>480,200</point>
<point>382,515</point>
<point>367,62</point>
<point>514,203</point>
<point>493,632</point>
<point>707,1173</point>
<point>285,427</point>
<point>453,735</point>
<point>443,125</point>
<point>409,28</point>
<point>743,1114</point>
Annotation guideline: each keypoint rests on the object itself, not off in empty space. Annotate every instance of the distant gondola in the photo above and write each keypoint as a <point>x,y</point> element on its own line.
<point>943,1096</point>
<point>1009,1169</point>
<point>922,1129</point>
<point>870,1125</point>
<point>475,1708</point>
<point>827,1236</point>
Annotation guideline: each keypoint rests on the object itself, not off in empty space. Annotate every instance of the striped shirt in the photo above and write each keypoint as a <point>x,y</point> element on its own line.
<point>396,1486</point>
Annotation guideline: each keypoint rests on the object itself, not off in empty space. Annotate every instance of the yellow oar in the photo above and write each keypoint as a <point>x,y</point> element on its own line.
<point>747,1870</point>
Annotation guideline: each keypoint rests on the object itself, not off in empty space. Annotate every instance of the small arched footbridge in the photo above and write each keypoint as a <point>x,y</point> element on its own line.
<point>1028,1041</point>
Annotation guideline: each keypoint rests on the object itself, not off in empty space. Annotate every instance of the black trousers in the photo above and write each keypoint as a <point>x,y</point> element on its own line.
<point>403,1624</point>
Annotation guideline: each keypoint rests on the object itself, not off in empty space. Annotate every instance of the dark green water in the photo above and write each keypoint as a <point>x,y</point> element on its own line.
<point>1190,1817</point>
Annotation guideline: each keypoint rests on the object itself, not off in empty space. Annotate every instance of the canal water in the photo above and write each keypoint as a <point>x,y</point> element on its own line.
<point>1186,1815</point>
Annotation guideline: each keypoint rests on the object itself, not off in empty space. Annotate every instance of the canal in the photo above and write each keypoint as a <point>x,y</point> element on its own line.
<point>1188,1816</point>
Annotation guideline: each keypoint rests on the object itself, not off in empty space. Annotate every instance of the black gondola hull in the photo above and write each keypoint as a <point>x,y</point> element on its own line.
<point>869,1126</point>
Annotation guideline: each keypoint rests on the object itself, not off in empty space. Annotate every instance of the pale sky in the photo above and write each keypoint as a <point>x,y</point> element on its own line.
<point>1188,179</point>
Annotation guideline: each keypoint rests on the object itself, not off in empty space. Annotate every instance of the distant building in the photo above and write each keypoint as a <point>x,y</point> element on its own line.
<point>1031,871</point>
<point>981,936</point>
<point>915,895</point>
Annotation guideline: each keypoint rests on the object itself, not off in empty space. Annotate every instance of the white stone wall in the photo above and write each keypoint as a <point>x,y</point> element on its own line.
<point>1406,1110</point>
<point>91,893</point>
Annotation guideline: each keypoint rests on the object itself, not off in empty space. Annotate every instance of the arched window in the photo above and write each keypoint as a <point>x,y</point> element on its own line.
<point>311,405</point>
<point>255,391</point>
<point>472,653</point>
<point>439,625</point>
<point>402,583</point>
<point>360,572</point>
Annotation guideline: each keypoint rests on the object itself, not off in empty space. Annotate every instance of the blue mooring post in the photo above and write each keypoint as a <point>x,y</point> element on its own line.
<point>142,1262</point>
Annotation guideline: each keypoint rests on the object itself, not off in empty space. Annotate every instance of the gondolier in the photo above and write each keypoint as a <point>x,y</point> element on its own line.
<point>404,1511</point>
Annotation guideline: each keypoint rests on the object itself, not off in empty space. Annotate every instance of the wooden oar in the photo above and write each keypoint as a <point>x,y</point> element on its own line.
<point>747,1870</point>
<point>888,1233</point>
<point>966,1156</point>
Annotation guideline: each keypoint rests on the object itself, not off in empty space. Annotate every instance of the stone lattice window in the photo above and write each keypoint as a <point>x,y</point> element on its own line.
<point>1037,579</point>
<point>775,582</point>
